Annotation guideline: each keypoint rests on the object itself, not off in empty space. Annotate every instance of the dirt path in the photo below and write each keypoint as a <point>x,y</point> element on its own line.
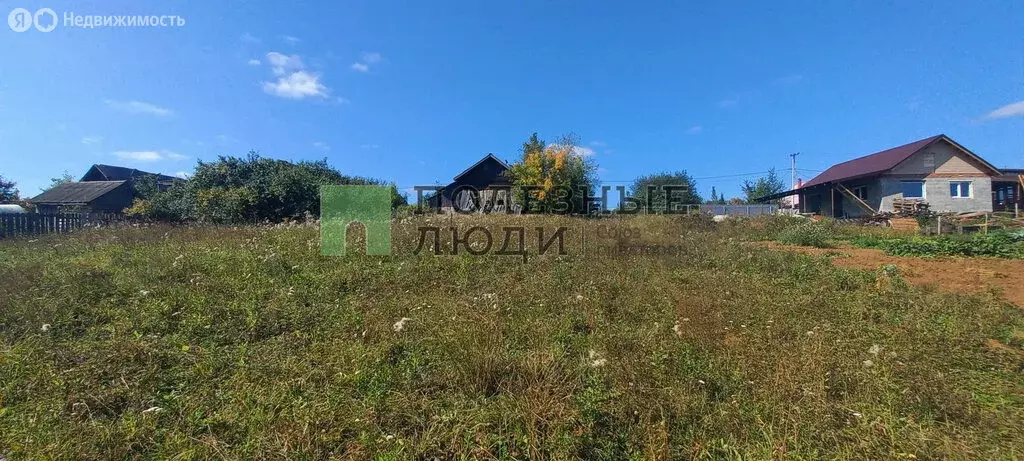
<point>956,274</point>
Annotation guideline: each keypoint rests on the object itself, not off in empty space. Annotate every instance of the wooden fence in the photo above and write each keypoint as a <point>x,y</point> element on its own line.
<point>14,225</point>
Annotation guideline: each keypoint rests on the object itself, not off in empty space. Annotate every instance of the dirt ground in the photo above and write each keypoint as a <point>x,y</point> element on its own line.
<point>966,274</point>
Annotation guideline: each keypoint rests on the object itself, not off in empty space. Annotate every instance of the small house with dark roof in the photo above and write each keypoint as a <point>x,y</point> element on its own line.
<point>99,172</point>
<point>1008,190</point>
<point>91,196</point>
<point>484,186</point>
<point>936,170</point>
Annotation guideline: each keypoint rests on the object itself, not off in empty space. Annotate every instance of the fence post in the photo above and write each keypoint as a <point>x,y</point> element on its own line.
<point>938,225</point>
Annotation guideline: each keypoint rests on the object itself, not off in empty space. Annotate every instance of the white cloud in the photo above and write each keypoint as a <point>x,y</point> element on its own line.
<point>298,85</point>
<point>583,151</point>
<point>281,64</point>
<point>321,145</point>
<point>148,155</point>
<point>293,81</point>
<point>254,62</point>
<point>367,58</point>
<point>341,100</point>
<point>183,174</point>
<point>696,129</point>
<point>291,40</point>
<point>248,38</point>
<point>577,150</point>
<point>90,140</point>
<point>139,107</point>
<point>1009,110</point>
<point>226,139</point>
<point>371,58</point>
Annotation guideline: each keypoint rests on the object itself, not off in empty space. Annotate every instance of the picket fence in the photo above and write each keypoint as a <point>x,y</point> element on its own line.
<point>25,224</point>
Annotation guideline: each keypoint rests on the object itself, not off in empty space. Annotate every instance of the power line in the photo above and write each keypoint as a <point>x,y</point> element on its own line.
<point>738,175</point>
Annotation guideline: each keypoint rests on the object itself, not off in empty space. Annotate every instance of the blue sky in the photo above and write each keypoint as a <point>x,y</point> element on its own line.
<point>416,93</point>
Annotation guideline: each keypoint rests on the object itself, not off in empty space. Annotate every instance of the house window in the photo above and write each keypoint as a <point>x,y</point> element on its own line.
<point>912,189</point>
<point>960,189</point>
<point>861,192</point>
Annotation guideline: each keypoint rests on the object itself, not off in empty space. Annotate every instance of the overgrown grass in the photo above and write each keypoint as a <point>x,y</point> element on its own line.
<point>809,234</point>
<point>245,343</point>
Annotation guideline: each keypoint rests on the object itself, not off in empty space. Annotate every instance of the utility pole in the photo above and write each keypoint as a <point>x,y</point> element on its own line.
<point>793,200</point>
<point>793,168</point>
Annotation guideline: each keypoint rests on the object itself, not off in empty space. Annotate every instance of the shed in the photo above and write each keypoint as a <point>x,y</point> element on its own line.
<point>95,196</point>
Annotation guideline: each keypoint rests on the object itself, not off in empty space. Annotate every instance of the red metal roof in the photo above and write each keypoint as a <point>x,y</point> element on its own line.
<point>871,164</point>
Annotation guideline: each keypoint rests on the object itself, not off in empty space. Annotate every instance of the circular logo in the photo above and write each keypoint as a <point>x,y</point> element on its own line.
<point>20,20</point>
<point>52,24</point>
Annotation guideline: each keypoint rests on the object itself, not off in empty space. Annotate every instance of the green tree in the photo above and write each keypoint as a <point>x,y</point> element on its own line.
<point>533,145</point>
<point>688,195</point>
<point>8,190</point>
<point>716,199</point>
<point>765,185</point>
<point>62,179</point>
<point>547,172</point>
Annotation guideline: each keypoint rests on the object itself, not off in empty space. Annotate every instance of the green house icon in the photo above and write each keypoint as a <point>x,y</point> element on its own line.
<point>343,205</point>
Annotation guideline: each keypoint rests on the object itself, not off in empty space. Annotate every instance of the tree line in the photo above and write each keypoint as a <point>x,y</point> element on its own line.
<point>256,189</point>
<point>562,166</point>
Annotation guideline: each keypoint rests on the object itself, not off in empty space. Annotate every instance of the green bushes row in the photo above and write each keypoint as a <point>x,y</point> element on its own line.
<point>245,190</point>
<point>997,244</point>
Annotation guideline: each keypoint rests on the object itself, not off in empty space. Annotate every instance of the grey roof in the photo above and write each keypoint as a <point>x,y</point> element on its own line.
<point>120,173</point>
<point>76,192</point>
<point>1008,175</point>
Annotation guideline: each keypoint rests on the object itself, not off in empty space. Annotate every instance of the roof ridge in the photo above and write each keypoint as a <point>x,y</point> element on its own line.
<point>482,160</point>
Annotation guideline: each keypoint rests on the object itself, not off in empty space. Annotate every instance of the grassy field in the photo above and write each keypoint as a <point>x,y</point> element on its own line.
<point>246,343</point>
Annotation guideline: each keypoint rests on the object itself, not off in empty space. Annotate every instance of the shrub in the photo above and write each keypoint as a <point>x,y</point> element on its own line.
<point>807,234</point>
<point>250,189</point>
<point>997,244</point>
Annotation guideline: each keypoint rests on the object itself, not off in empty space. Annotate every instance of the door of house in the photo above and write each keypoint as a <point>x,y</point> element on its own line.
<point>837,205</point>
<point>1004,196</point>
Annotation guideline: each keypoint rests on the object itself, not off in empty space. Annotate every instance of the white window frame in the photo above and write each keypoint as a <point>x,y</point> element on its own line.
<point>924,190</point>
<point>970,189</point>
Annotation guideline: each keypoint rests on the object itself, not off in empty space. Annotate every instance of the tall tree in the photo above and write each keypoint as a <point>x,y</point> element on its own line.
<point>534,144</point>
<point>640,190</point>
<point>555,176</point>
<point>8,190</point>
<point>765,185</point>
